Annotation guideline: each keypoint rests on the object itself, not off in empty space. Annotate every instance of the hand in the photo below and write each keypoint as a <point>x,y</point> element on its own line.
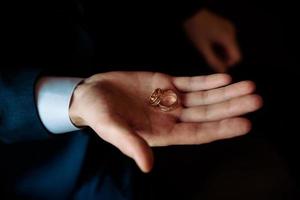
<point>115,105</point>
<point>215,38</point>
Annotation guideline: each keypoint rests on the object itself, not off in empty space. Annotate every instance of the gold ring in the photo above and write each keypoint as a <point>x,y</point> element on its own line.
<point>154,99</point>
<point>165,100</point>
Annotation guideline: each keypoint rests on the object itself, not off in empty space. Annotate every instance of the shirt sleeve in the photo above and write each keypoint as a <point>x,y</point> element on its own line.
<point>53,96</point>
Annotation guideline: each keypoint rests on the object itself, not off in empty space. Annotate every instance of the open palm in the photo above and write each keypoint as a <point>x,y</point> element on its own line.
<point>115,105</point>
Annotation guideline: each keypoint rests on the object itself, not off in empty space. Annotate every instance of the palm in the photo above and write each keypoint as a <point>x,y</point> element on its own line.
<point>129,103</point>
<point>149,122</point>
<point>123,116</point>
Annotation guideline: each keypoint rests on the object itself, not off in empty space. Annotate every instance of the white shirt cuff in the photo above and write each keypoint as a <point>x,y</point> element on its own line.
<point>53,96</point>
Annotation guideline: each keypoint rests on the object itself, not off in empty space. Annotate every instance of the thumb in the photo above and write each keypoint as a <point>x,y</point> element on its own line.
<point>212,58</point>
<point>117,132</point>
<point>232,50</point>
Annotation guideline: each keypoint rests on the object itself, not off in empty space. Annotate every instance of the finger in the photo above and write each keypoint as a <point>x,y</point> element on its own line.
<point>212,58</point>
<point>196,83</point>
<point>230,108</point>
<point>232,50</point>
<point>117,132</point>
<point>218,95</point>
<point>199,133</point>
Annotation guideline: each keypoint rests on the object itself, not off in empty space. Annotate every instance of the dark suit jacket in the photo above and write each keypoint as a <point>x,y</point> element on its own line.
<point>68,38</point>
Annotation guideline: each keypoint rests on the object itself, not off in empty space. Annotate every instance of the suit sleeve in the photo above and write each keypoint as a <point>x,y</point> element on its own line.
<point>19,120</point>
<point>41,38</point>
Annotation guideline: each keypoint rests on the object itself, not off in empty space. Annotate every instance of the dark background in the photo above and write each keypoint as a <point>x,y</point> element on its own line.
<point>269,37</point>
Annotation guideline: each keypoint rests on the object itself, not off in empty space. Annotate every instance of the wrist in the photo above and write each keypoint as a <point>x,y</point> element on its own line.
<point>74,108</point>
<point>81,99</point>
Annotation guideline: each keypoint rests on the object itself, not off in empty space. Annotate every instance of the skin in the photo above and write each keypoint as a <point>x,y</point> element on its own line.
<point>207,30</point>
<point>115,105</point>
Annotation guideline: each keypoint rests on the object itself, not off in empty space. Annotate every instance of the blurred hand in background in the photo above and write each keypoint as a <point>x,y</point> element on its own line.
<point>215,38</point>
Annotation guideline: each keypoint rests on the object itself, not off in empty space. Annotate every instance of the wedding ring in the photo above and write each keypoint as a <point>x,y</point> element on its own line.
<point>165,100</point>
<point>154,99</point>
